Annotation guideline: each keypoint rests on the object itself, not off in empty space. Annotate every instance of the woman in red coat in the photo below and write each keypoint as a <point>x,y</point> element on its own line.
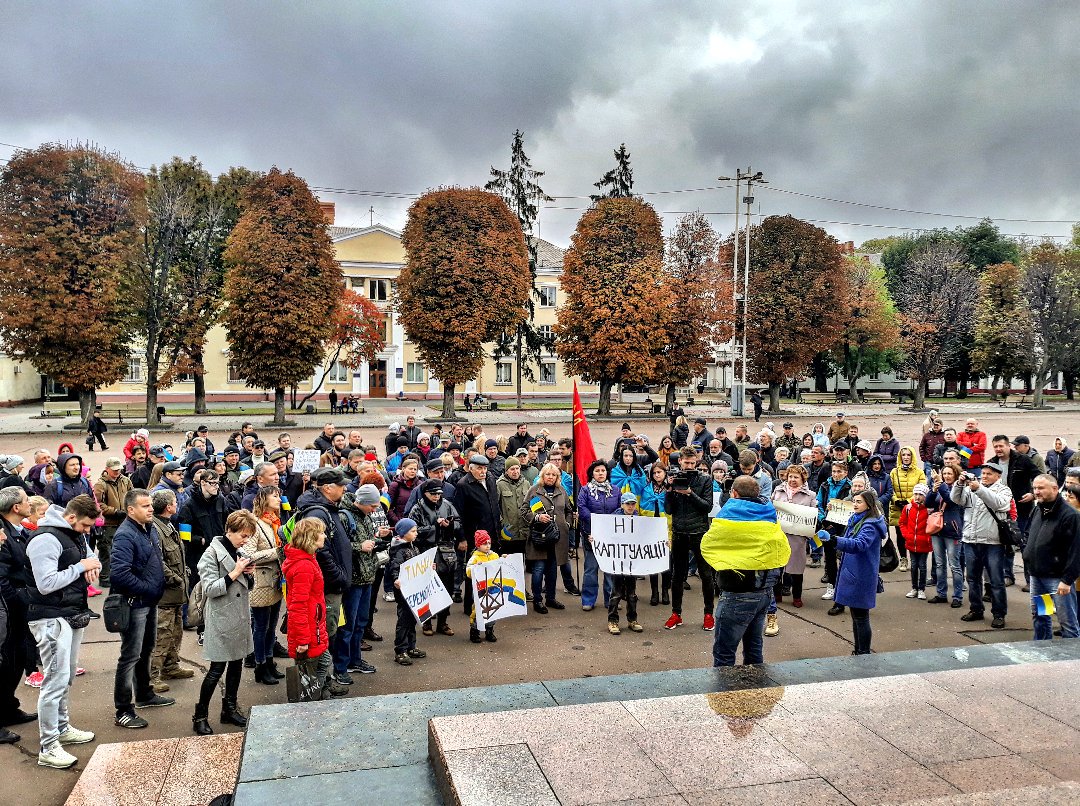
<point>305,596</point>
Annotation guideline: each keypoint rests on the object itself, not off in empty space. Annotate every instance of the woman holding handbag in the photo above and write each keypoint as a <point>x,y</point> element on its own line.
<point>946,528</point>
<point>547,510</point>
<point>306,603</point>
<point>262,549</point>
<point>225,576</point>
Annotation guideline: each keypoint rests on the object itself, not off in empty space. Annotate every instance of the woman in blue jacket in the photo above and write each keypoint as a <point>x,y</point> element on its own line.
<point>948,549</point>
<point>599,497</point>
<point>880,481</point>
<point>857,583</point>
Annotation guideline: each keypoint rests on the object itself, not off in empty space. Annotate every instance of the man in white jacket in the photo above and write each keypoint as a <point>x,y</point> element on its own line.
<point>984,499</point>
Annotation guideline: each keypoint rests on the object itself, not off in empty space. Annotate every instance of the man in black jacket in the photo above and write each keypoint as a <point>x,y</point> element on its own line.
<point>138,576</point>
<point>1052,559</point>
<point>15,576</point>
<point>688,502</point>
<point>477,502</point>
<point>1019,474</point>
<point>519,440</point>
<point>335,557</point>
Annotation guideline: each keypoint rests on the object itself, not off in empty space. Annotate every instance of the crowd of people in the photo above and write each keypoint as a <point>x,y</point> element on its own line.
<point>240,547</point>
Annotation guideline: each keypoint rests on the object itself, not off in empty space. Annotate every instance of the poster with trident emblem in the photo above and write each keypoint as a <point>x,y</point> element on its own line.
<point>499,589</point>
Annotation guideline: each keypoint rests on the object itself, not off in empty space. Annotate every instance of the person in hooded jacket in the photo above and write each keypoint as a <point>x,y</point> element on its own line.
<point>858,582</point>
<point>1057,460</point>
<point>904,477</point>
<point>512,487</point>
<point>888,448</point>
<point>653,505</point>
<point>880,481</point>
<point>438,526</point>
<point>69,481</point>
<point>110,491</point>
<point>401,488</point>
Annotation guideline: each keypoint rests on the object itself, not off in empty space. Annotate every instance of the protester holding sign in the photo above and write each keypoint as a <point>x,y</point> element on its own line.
<point>481,554</point>
<point>623,586</point>
<point>794,493</point>
<point>401,551</point>
<point>748,550</point>
<point>834,489</point>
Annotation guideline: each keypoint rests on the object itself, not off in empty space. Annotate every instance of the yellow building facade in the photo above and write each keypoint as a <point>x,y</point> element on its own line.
<point>371,258</point>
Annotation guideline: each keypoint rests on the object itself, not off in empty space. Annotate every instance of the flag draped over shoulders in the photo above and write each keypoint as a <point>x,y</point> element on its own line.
<point>745,536</point>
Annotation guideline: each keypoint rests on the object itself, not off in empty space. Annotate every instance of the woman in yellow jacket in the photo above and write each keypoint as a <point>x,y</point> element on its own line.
<point>905,476</point>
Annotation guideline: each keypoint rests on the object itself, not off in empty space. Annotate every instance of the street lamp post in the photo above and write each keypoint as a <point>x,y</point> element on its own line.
<point>736,407</point>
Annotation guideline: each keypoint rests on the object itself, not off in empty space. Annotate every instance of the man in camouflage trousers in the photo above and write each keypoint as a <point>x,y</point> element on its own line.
<point>165,662</point>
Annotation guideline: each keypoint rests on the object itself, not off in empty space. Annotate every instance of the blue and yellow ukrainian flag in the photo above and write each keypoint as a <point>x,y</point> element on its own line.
<point>1044,604</point>
<point>815,540</point>
<point>285,505</point>
<point>744,536</point>
<point>506,533</point>
<point>536,504</point>
<point>185,531</point>
<point>384,499</point>
<point>964,451</point>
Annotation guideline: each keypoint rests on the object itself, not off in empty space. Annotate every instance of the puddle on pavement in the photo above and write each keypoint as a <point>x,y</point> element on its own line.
<point>741,709</point>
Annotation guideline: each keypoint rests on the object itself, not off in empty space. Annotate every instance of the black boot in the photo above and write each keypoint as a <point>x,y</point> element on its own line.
<point>265,675</point>
<point>274,670</point>
<point>474,635</point>
<point>230,714</point>
<point>199,723</point>
<point>654,600</point>
<point>249,661</point>
<point>666,596</point>
<point>489,633</point>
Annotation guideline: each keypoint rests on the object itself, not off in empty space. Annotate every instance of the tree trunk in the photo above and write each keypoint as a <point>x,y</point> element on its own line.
<point>519,367</point>
<point>1069,382</point>
<point>448,401</point>
<point>774,397</point>
<point>919,402</point>
<point>87,400</point>
<point>1037,386</point>
<point>603,405</point>
<point>151,401</point>
<point>853,388</point>
<point>200,382</point>
<point>994,386</point>
<point>279,405</point>
<point>669,398</point>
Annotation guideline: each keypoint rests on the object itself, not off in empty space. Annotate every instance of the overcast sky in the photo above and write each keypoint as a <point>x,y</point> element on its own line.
<point>963,108</point>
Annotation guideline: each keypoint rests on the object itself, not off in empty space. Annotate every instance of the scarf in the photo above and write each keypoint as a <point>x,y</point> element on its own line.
<point>274,522</point>
<point>599,489</point>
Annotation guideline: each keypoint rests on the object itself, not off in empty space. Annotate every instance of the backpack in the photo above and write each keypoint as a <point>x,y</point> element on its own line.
<point>290,525</point>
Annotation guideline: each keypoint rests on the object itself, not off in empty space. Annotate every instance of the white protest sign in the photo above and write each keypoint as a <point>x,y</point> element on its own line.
<point>839,512</point>
<point>305,461</point>
<point>630,545</point>
<point>796,519</point>
<point>422,588</point>
<point>499,589</point>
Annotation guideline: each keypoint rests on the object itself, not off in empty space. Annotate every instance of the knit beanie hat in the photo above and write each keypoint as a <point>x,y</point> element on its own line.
<point>404,526</point>
<point>481,538</point>
<point>511,462</point>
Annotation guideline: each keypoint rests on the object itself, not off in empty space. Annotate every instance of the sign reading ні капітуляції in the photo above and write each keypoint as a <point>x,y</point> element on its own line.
<point>630,544</point>
<point>420,585</point>
<point>840,512</point>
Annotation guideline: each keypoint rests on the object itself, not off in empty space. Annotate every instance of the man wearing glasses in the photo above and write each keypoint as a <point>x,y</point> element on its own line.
<point>204,514</point>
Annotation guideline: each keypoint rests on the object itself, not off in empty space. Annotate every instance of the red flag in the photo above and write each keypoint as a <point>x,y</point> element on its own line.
<point>584,452</point>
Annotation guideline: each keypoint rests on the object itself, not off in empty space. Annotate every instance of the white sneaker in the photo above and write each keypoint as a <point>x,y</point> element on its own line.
<point>56,757</point>
<point>73,735</point>
<point>922,594</point>
<point>903,564</point>
<point>388,597</point>
<point>911,594</point>
<point>829,593</point>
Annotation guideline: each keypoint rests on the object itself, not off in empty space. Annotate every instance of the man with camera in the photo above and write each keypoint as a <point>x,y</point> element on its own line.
<point>986,501</point>
<point>689,501</point>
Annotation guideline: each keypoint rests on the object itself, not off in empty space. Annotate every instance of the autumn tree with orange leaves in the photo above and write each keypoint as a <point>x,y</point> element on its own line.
<point>701,317</point>
<point>69,228</point>
<point>797,291</point>
<point>357,337</point>
<point>466,280</point>
<point>870,341</point>
<point>282,286</point>
<point>616,300</point>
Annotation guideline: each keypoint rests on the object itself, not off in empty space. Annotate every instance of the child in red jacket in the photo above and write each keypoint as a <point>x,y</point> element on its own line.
<point>913,519</point>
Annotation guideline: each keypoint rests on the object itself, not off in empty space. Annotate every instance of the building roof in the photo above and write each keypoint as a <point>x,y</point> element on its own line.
<point>548,255</point>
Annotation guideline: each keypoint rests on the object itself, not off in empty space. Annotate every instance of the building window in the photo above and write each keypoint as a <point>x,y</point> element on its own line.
<point>504,373</point>
<point>234,374</point>
<point>357,284</point>
<point>185,377</point>
<point>414,372</point>
<point>134,371</point>
<point>547,373</point>
<point>548,296</point>
<point>377,290</point>
<point>872,376</point>
<point>338,373</point>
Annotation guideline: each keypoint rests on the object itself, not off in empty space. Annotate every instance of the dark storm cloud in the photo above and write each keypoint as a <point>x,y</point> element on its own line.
<point>957,107</point>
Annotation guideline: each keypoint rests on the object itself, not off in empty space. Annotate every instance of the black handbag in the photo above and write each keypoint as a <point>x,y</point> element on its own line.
<point>116,612</point>
<point>889,560</point>
<point>446,559</point>
<point>302,680</point>
<point>1008,531</point>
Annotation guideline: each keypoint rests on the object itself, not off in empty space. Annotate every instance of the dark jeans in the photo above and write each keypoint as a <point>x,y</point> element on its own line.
<point>918,570</point>
<point>623,587</point>
<point>104,552</point>
<point>901,546</point>
<point>740,619</point>
<point>13,659</point>
<point>405,630</point>
<point>860,626</point>
<point>830,561</point>
<point>136,647</point>
<point>350,635</point>
<point>373,605</point>
<point>682,546</point>
<point>545,573</point>
<point>231,669</point>
<point>981,557</point>
<point>263,622</point>
<point>794,580</point>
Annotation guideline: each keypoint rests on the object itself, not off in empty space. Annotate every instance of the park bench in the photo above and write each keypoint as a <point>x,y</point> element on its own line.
<point>1025,402</point>
<point>878,397</point>
<point>119,411</point>
<point>819,397</point>
<point>639,407</point>
<point>60,408</point>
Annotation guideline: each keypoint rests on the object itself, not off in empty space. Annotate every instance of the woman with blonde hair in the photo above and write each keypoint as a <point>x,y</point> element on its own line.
<point>306,599</point>
<point>262,549</point>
